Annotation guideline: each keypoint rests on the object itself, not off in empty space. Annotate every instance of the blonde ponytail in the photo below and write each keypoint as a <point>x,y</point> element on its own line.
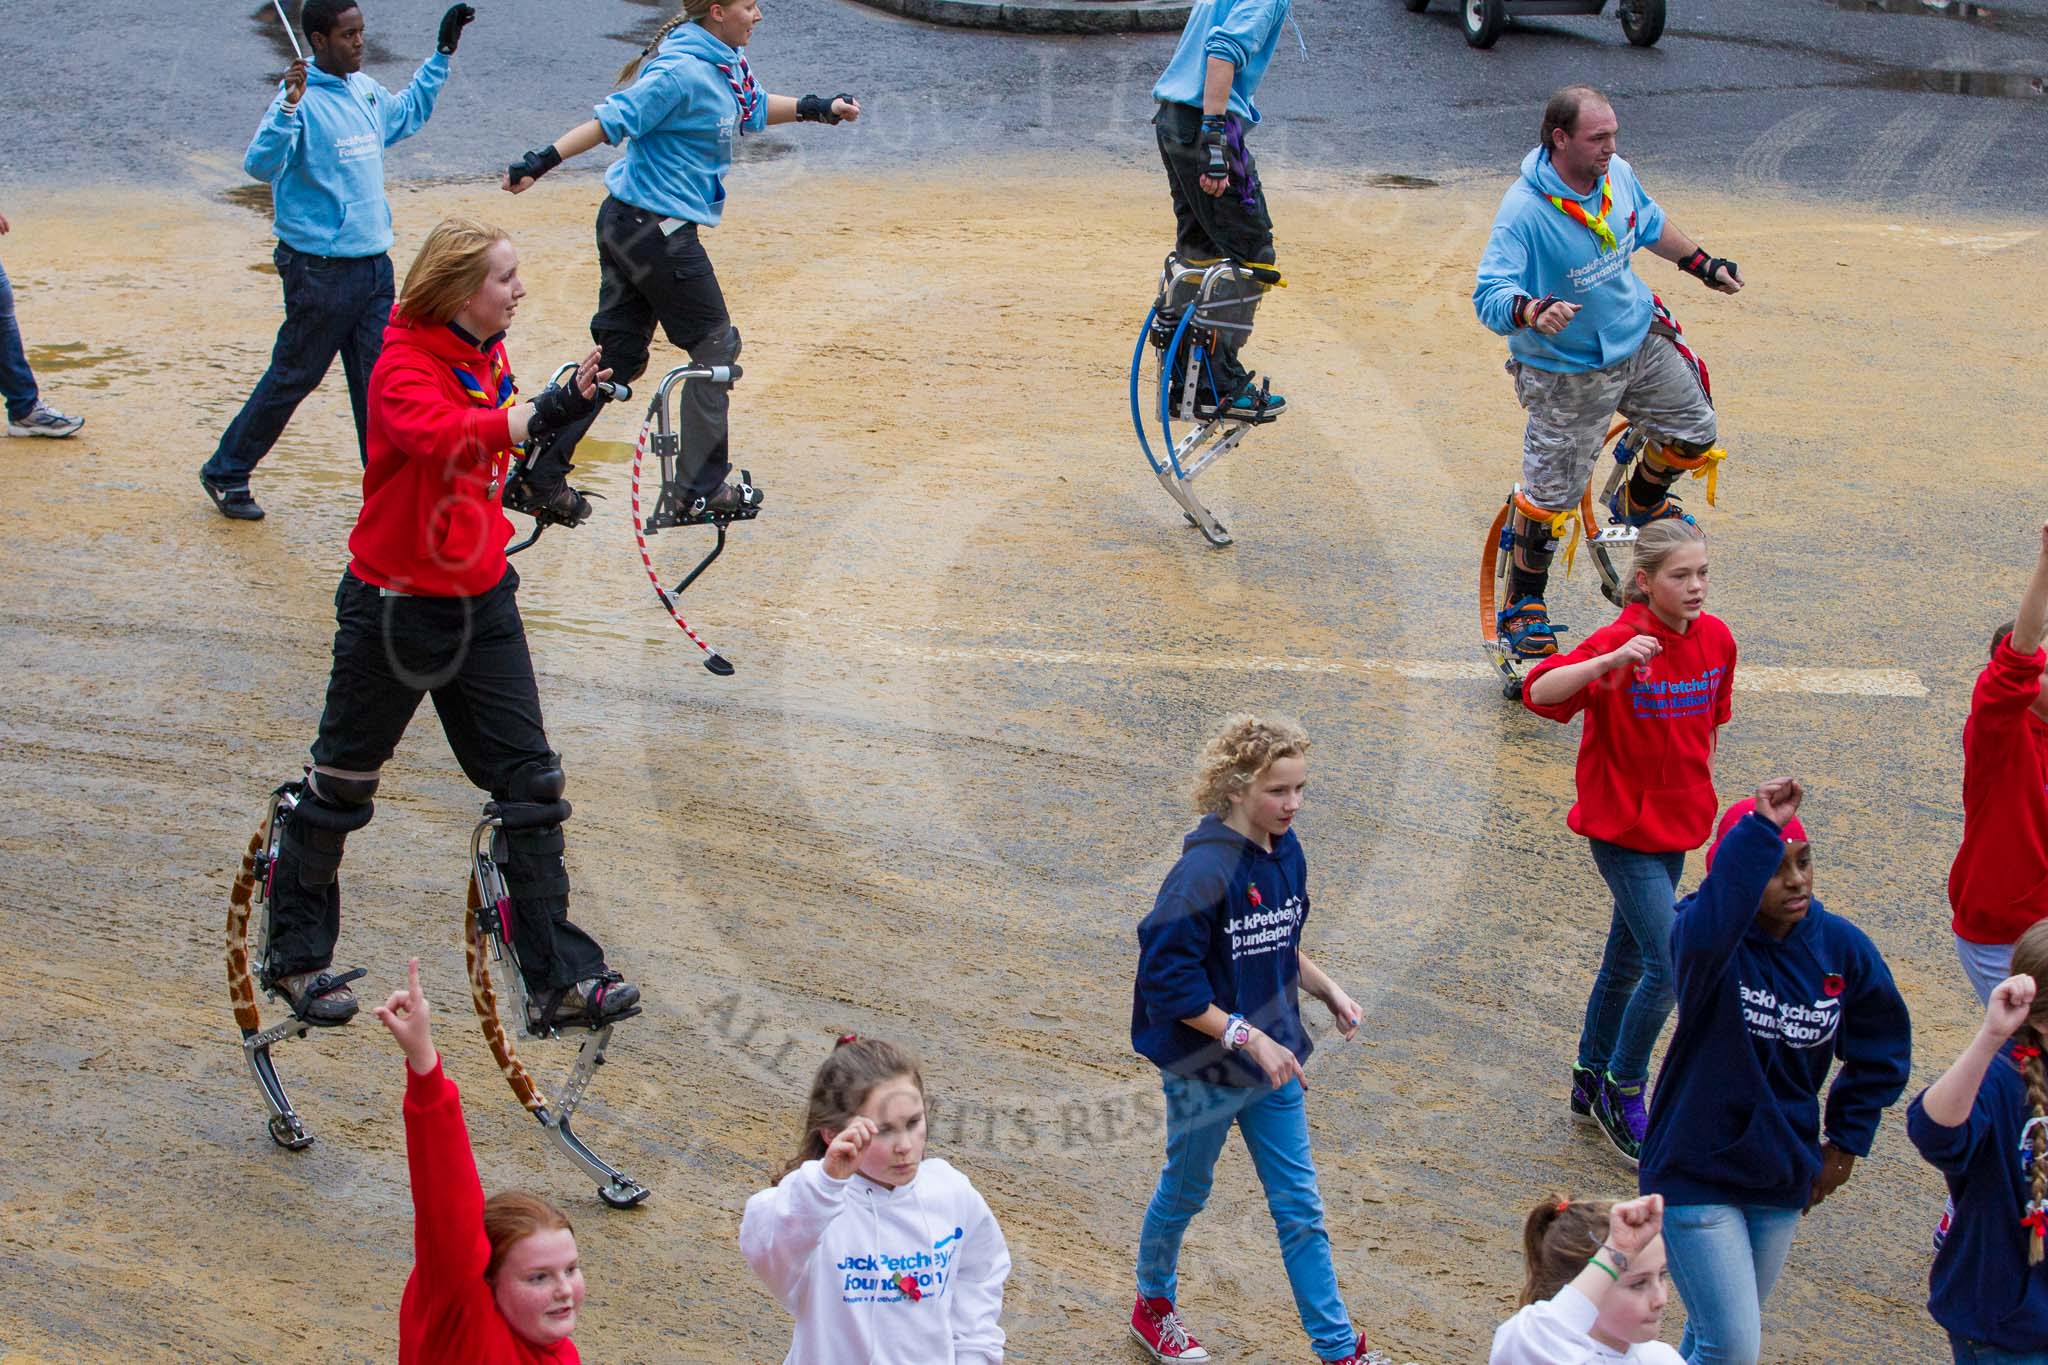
<point>691,12</point>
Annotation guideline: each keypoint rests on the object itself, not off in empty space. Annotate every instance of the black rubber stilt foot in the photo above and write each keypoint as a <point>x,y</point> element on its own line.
<point>717,664</point>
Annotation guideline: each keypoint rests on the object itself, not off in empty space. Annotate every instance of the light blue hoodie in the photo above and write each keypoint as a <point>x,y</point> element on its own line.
<point>325,161</point>
<point>1536,250</point>
<point>1241,32</point>
<point>679,121</point>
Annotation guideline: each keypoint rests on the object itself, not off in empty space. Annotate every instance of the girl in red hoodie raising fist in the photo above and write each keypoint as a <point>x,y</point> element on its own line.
<point>427,605</point>
<point>1654,687</point>
<point>494,1281</point>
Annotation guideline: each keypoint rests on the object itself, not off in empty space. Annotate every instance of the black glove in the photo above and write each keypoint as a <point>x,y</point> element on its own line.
<point>555,406</point>
<point>818,108</point>
<point>534,165</point>
<point>1706,268</point>
<point>1214,144</point>
<point>451,26</point>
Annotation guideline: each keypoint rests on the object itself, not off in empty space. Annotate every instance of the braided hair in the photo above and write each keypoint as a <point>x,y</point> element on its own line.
<point>693,11</point>
<point>2030,958</point>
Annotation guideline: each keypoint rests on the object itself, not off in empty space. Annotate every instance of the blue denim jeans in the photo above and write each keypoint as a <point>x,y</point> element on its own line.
<point>332,306</point>
<point>1275,1128</point>
<point>17,380</point>
<point>1969,1352</point>
<point>1986,964</point>
<point>1724,1259</point>
<point>1632,995</point>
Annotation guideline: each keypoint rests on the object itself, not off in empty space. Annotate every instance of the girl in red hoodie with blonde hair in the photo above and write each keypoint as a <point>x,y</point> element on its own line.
<point>494,1281</point>
<point>427,605</point>
<point>1654,688</point>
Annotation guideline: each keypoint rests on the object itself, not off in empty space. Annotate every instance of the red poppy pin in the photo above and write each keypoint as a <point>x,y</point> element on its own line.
<point>908,1284</point>
<point>1256,899</point>
<point>1831,985</point>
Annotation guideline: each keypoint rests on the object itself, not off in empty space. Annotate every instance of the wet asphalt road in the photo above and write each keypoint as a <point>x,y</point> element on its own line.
<point>1870,99</point>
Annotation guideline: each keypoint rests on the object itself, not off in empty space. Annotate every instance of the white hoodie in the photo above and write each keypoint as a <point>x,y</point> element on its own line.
<point>1557,1332</point>
<point>832,1253</point>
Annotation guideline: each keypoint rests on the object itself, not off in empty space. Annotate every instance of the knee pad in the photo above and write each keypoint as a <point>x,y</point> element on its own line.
<point>1536,529</point>
<point>624,353</point>
<point>539,782</point>
<point>318,827</point>
<point>720,348</point>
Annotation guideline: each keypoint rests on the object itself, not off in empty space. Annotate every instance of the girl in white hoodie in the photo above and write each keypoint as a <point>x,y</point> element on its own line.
<point>883,1257</point>
<point>1596,1286</point>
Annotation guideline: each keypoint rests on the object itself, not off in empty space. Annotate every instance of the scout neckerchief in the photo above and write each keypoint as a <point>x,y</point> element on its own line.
<point>501,387</point>
<point>1572,209</point>
<point>740,77</point>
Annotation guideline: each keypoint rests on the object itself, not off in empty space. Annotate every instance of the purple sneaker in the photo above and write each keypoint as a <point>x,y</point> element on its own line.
<point>1585,1092</point>
<point>1621,1114</point>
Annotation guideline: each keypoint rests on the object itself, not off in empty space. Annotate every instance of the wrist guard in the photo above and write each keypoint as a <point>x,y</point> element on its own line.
<point>1214,143</point>
<point>452,24</point>
<point>818,108</point>
<point>1704,268</point>
<point>554,407</point>
<point>534,165</point>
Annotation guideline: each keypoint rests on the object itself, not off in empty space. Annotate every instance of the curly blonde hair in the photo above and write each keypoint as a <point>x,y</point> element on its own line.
<point>1244,746</point>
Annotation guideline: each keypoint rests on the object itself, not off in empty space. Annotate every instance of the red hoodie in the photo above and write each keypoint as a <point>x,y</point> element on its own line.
<point>448,1316</point>
<point>1646,756</point>
<point>431,523</point>
<point>1998,886</point>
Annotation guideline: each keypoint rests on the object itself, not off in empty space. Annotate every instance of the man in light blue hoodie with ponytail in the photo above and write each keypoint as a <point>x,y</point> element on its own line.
<point>321,147</point>
<point>1587,340</point>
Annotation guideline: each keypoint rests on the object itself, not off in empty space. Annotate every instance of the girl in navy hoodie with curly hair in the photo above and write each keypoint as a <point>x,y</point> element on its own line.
<point>1772,989</point>
<point>1215,1008</point>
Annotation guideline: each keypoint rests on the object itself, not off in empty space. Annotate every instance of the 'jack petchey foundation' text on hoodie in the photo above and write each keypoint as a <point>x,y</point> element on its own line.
<point>1224,931</point>
<point>1646,755</point>
<point>877,1276</point>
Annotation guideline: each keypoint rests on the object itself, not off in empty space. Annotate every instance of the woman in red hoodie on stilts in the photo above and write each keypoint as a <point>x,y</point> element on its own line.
<point>428,605</point>
<point>1654,687</point>
<point>494,1281</point>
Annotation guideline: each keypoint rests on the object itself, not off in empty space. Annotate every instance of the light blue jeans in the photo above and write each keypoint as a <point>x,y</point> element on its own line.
<point>1986,964</point>
<point>1275,1128</point>
<point>1724,1259</point>
<point>1632,994</point>
<point>17,381</point>
<point>1969,1352</point>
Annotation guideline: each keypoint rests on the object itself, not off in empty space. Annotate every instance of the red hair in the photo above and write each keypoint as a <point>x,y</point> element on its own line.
<point>513,1215</point>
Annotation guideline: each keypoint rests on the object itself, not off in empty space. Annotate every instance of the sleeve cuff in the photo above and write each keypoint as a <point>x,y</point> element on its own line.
<point>428,1089</point>
<point>1226,48</point>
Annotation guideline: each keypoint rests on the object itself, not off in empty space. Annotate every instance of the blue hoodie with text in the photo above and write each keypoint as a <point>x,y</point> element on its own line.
<point>325,160</point>
<point>1536,250</point>
<point>1736,1116</point>
<point>679,121</point>
<point>1981,1286</point>
<point>1241,32</point>
<point>1224,931</point>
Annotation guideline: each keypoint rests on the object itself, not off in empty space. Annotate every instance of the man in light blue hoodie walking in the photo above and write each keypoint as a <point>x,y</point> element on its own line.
<point>1587,339</point>
<point>1219,207</point>
<point>321,147</point>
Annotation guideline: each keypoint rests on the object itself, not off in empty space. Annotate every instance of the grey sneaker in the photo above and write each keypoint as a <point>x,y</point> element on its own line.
<point>236,504</point>
<point>44,420</point>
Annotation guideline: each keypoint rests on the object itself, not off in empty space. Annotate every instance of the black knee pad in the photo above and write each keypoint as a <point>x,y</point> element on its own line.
<point>720,348</point>
<point>319,825</point>
<point>538,782</point>
<point>624,353</point>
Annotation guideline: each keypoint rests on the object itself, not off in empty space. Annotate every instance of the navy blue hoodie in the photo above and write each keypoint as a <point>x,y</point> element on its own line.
<point>1981,1286</point>
<point>1224,931</point>
<point>1736,1117</point>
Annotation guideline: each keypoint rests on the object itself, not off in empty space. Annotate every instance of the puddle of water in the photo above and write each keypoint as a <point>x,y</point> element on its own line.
<point>254,197</point>
<point>73,355</point>
<point>590,452</point>
<point>1992,17</point>
<point>1390,180</point>
<point>1987,84</point>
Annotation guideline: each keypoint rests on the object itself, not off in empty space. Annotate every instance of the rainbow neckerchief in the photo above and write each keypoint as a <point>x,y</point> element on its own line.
<point>1572,209</point>
<point>475,389</point>
<point>743,88</point>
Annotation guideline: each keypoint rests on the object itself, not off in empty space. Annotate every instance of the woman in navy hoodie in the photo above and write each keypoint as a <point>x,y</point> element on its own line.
<point>1771,990</point>
<point>1984,1125</point>
<point>1214,1007</point>
<point>680,119</point>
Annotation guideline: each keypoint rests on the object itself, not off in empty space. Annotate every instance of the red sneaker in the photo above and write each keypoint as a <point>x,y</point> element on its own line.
<point>1158,1328</point>
<point>1363,1356</point>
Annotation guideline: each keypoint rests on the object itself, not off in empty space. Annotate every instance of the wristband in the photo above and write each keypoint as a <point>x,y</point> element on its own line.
<point>1237,1033</point>
<point>1703,267</point>
<point>818,108</point>
<point>1599,1264</point>
<point>1528,309</point>
<point>1620,1257</point>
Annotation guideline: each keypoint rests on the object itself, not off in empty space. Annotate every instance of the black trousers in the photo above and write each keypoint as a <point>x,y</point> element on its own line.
<point>1208,227</point>
<point>655,270</point>
<point>470,655</point>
